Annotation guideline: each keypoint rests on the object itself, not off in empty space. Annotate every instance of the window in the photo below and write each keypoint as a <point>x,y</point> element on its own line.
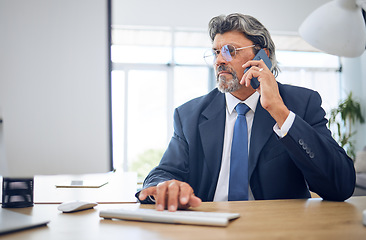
<point>154,71</point>
<point>157,69</point>
<point>314,70</point>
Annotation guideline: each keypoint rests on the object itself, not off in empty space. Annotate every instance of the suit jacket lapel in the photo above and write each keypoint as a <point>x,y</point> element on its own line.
<point>212,128</point>
<point>261,130</point>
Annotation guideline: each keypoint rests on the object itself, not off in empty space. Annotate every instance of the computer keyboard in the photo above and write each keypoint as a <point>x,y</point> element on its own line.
<point>180,216</point>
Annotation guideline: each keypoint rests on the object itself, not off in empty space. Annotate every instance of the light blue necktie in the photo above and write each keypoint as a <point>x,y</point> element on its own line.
<point>238,181</point>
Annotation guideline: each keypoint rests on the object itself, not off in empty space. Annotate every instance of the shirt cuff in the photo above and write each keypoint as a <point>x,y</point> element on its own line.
<point>281,132</point>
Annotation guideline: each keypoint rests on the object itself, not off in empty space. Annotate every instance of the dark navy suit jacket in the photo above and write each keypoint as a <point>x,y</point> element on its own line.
<point>306,158</point>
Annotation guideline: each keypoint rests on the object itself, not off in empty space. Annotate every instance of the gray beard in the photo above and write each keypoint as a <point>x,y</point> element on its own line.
<point>228,85</point>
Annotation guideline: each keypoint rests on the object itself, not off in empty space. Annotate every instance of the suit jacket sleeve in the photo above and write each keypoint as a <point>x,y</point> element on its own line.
<point>325,165</point>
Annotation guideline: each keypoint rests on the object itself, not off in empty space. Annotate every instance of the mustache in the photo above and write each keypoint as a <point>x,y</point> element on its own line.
<point>222,68</point>
<point>226,69</point>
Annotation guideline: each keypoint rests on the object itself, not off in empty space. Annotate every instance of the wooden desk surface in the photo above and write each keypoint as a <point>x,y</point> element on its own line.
<point>279,219</point>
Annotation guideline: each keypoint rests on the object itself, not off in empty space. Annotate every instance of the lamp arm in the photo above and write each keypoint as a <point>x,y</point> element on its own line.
<point>361,4</point>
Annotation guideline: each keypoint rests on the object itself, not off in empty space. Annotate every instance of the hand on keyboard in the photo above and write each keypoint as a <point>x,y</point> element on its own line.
<point>172,195</point>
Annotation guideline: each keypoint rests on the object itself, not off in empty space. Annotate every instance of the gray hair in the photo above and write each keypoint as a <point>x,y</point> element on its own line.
<point>251,28</point>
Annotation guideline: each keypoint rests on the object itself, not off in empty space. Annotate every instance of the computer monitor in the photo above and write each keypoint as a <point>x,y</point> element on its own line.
<point>55,88</point>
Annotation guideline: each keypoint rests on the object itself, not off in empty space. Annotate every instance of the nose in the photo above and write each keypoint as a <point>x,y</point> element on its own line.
<point>220,60</point>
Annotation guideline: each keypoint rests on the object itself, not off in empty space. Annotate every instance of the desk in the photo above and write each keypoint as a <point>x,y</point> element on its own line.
<point>277,219</point>
<point>121,188</point>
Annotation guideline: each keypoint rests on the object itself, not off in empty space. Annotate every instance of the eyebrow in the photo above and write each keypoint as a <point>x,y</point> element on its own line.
<point>234,44</point>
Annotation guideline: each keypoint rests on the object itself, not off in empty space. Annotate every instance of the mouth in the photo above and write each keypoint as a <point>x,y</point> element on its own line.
<point>223,73</point>
<point>223,70</point>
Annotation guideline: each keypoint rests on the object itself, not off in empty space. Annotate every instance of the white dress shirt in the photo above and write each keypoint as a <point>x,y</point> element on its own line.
<point>222,187</point>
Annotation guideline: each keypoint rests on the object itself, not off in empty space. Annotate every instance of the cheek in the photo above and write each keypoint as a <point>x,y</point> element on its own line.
<point>238,66</point>
<point>239,71</point>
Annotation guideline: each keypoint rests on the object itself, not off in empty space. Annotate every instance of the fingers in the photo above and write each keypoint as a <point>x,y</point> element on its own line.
<point>195,201</point>
<point>256,63</point>
<point>256,68</point>
<point>254,71</point>
<point>185,193</point>
<point>271,99</point>
<point>175,194</point>
<point>147,192</point>
<point>161,190</point>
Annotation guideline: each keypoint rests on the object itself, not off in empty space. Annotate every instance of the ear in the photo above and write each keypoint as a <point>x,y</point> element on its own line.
<point>267,51</point>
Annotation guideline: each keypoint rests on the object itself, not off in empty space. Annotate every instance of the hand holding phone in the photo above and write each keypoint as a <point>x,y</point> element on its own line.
<point>260,55</point>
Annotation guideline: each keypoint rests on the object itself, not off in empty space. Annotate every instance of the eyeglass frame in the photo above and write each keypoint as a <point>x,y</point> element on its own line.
<point>215,53</point>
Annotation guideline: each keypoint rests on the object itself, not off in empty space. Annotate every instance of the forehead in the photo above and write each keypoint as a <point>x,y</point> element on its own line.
<point>233,37</point>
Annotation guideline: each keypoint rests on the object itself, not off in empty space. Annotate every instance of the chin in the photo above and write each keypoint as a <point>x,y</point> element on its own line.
<point>224,87</point>
<point>225,84</point>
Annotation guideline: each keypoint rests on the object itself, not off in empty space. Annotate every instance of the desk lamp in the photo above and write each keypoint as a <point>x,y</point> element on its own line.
<point>337,28</point>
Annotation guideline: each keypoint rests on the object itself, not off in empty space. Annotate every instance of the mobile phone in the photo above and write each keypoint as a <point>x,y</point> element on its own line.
<point>260,55</point>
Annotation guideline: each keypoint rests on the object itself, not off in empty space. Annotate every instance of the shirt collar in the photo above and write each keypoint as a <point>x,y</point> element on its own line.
<point>232,101</point>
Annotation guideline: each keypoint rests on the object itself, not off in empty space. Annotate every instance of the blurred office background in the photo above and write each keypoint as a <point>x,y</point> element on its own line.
<point>159,45</point>
<point>157,64</point>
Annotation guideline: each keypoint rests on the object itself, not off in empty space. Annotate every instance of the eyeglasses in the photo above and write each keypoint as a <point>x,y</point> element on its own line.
<point>228,52</point>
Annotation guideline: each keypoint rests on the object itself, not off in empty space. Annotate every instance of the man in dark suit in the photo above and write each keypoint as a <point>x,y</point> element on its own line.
<point>291,150</point>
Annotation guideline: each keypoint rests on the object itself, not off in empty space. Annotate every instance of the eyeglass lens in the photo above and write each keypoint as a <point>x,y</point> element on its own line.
<point>227,52</point>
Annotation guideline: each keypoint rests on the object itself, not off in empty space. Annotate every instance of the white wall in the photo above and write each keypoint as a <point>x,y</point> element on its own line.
<point>54,87</point>
<point>361,134</point>
<point>354,80</point>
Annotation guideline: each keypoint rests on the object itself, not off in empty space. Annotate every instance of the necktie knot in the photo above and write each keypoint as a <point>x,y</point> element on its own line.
<point>242,108</point>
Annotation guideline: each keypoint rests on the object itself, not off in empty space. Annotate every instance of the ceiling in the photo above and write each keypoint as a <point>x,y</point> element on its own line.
<point>278,16</point>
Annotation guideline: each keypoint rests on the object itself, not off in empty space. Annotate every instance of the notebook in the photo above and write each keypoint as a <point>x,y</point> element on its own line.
<point>178,217</point>
<point>11,221</point>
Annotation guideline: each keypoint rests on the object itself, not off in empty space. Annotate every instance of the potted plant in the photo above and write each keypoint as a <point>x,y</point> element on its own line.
<point>341,120</point>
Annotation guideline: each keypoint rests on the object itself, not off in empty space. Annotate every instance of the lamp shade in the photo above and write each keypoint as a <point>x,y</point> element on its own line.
<point>336,28</point>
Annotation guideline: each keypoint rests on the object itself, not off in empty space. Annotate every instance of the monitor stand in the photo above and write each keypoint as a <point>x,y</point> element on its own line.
<point>17,192</point>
